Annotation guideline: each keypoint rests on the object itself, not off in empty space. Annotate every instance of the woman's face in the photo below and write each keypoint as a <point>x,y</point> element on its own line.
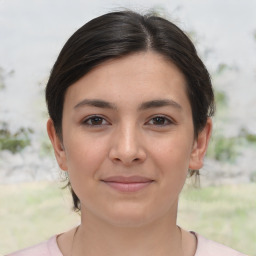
<point>128,139</point>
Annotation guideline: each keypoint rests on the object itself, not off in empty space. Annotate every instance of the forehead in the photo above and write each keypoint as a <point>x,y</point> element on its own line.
<point>131,79</point>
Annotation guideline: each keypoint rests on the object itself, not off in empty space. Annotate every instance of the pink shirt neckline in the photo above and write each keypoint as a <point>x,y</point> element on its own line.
<point>204,247</point>
<point>202,244</point>
<point>53,247</point>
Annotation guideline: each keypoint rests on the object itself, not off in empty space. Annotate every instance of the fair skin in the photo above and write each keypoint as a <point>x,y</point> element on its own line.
<point>129,117</point>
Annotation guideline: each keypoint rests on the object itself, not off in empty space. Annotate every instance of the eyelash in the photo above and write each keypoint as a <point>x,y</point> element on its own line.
<point>90,119</point>
<point>163,118</point>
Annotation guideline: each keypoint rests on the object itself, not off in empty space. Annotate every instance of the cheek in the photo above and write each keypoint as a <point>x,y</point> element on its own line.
<point>85,154</point>
<point>84,157</point>
<point>171,157</point>
<point>173,153</point>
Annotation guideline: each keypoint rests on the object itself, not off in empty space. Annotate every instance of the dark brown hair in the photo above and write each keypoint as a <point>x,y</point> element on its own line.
<point>118,34</point>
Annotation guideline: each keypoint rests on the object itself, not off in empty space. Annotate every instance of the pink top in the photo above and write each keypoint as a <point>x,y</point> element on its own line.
<point>205,247</point>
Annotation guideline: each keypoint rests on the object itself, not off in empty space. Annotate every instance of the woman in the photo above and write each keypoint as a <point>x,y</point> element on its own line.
<point>130,107</point>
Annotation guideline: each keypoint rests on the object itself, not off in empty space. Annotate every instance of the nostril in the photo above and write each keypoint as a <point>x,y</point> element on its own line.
<point>127,156</point>
<point>137,160</point>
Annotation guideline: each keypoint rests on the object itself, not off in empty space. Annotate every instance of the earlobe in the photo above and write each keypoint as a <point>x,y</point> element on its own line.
<point>58,147</point>
<point>200,146</point>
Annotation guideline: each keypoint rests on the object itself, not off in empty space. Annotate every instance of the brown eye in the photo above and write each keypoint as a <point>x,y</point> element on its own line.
<point>95,121</point>
<point>160,121</point>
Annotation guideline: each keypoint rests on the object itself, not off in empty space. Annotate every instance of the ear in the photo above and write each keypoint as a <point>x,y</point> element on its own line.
<point>58,147</point>
<point>200,147</point>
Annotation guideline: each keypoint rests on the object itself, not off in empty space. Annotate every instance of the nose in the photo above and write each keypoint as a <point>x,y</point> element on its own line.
<point>127,146</point>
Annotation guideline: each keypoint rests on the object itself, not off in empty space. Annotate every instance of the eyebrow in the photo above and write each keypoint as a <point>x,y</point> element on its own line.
<point>145,105</point>
<point>159,103</point>
<point>95,103</point>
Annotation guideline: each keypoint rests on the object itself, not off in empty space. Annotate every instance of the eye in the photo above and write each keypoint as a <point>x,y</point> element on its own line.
<point>95,121</point>
<point>160,121</point>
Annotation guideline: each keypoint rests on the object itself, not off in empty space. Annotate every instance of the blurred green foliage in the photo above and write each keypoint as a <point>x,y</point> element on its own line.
<point>16,141</point>
<point>221,98</point>
<point>46,148</point>
<point>223,148</point>
<point>251,138</point>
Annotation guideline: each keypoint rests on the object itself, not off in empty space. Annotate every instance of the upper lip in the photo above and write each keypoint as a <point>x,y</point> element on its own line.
<point>131,179</point>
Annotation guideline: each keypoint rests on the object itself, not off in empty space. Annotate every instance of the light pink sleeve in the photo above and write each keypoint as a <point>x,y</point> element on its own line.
<point>207,247</point>
<point>47,248</point>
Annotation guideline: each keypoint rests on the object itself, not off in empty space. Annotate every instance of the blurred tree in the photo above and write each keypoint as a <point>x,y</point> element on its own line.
<point>14,142</point>
<point>18,140</point>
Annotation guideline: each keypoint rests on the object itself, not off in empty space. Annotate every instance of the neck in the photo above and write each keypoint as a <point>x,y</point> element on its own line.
<point>96,237</point>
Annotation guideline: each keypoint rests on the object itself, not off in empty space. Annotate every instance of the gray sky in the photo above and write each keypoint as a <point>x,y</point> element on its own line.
<point>32,33</point>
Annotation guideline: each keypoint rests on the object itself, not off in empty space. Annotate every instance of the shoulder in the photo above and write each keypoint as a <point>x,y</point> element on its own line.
<point>47,248</point>
<point>207,247</point>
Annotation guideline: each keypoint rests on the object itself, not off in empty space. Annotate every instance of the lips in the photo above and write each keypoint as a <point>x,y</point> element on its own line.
<point>128,184</point>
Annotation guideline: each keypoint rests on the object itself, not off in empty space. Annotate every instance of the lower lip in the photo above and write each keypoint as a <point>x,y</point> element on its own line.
<point>128,187</point>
